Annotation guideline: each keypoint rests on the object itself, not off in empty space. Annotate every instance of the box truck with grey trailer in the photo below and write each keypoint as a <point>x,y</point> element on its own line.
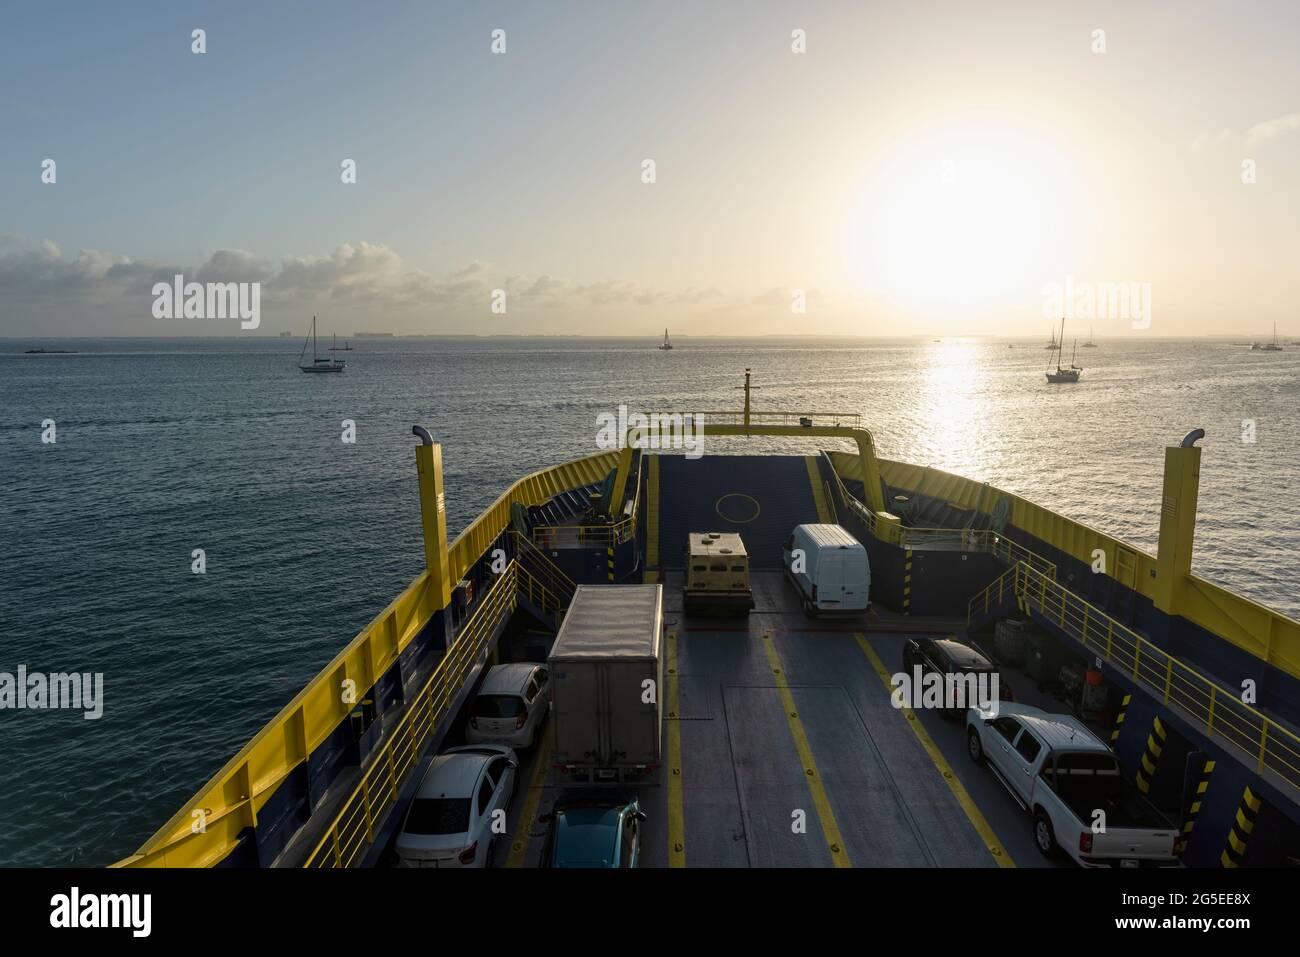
<point>607,682</point>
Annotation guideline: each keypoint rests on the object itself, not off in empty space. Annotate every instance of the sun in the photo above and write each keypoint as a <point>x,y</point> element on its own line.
<point>961,221</point>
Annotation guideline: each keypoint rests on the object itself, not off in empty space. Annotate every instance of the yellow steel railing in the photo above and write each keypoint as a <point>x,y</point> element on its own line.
<point>539,565</point>
<point>582,536</point>
<point>1260,631</point>
<point>999,590</point>
<point>589,536</point>
<point>798,419</point>
<point>1218,712</point>
<point>950,539</point>
<point>203,831</point>
<point>353,828</point>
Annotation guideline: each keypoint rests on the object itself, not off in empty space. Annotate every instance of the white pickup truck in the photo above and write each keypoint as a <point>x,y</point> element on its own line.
<point>1070,782</point>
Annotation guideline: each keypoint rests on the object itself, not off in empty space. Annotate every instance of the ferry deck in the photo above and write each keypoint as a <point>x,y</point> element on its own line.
<point>781,746</point>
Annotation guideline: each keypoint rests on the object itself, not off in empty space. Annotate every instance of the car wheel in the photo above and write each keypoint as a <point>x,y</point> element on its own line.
<point>973,746</point>
<point>1044,837</point>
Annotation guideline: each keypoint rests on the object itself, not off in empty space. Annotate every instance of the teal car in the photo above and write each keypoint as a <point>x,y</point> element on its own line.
<point>593,830</point>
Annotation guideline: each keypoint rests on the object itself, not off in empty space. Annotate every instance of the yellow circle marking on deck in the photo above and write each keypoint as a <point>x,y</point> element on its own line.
<point>717,507</point>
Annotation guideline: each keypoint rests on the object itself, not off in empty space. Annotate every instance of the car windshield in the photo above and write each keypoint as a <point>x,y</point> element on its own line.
<point>498,706</point>
<point>438,816</point>
<point>585,837</point>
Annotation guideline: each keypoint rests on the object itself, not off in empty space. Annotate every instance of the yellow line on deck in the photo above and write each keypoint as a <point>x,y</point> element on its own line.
<point>651,572</point>
<point>819,496</point>
<point>822,804</point>
<point>524,826</point>
<point>959,791</point>
<point>676,819</point>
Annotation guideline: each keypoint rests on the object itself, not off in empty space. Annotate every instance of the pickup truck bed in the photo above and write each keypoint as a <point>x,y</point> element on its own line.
<point>1123,807</point>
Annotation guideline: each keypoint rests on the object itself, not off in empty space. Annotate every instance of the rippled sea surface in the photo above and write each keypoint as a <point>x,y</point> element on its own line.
<point>168,446</point>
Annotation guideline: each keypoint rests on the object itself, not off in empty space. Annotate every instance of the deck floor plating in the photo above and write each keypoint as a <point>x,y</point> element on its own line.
<point>747,798</point>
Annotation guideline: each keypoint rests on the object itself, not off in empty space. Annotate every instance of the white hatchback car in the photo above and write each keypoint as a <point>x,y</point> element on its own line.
<point>511,705</point>
<point>450,820</point>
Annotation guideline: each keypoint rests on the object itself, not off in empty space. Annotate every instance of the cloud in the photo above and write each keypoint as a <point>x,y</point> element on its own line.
<point>470,270</point>
<point>370,278</point>
<point>1262,133</point>
<point>1253,138</point>
<point>1206,137</point>
<point>606,292</point>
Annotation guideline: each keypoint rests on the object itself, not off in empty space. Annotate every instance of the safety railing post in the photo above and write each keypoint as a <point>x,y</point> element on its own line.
<point>365,796</point>
<point>1209,717</point>
<point>1169,676</point>
<point>1263,745</point>
<point>1137,655</point>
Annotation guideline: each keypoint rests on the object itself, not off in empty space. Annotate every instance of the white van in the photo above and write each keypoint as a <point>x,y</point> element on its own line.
<point>829,567</point>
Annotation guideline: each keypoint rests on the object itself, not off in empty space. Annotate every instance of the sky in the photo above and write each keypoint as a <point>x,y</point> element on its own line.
<point>921,168</point>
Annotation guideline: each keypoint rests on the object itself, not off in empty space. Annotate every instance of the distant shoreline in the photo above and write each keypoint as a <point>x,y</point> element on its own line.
<point>275,336</point>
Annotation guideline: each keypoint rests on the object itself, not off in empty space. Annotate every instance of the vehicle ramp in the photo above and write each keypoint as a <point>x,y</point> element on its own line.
<point>762,498</point>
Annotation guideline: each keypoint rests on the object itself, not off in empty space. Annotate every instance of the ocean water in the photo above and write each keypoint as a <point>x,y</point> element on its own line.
<point>167,446</point>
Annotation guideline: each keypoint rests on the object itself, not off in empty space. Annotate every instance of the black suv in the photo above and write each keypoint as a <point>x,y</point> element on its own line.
<point>946,656</point>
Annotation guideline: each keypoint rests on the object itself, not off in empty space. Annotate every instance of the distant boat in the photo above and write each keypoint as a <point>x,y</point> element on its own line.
<point>1053,344</point>
<point>1090,344</point>
<point>1270,346</point>
<point>667,344</point>
<point>318,364</point>
<point>1064,375</point>
<point>51,352</point>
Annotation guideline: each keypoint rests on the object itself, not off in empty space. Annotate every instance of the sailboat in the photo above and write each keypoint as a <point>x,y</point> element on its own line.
<point>1053,344</point>
<point>667,344</point>
<point>318,364</point>
<point>1090,344</point>
<point>1271,346</point>
<point>1064,375</point>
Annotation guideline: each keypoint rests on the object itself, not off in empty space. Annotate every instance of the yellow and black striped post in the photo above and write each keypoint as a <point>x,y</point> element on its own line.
<point>1119,720</point>
<point>609,561</point>
<point>907,582</point>
<point>1235,853</point>
<point>1155,744</point>
<point>1194,808</point>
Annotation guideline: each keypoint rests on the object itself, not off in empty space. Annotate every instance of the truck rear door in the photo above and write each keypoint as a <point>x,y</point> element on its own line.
<point>576,700</point>
<point>1133,844</point>
<point>830,579</point>
<point>633,721</point>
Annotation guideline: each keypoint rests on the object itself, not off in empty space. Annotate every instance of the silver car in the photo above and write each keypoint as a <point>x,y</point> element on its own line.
<point>511,705</point>
<point>453,820</point>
